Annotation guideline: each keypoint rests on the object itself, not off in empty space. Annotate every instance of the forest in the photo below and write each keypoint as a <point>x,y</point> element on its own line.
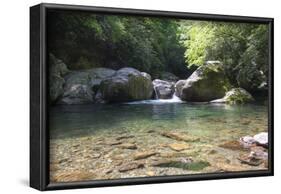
<point>158,45</point>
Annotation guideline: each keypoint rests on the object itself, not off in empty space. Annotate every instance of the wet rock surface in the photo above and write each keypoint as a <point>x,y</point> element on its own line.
<point>163,89</point>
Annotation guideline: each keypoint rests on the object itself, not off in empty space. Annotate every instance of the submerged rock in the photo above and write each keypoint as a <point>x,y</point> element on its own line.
<point>72,176</point>
<point>180,136</point>
<point>143,155</point>
<point>207,83</point>
<point>125,137</point>
<point>163,89</point>
<point>130,166</point>
<point>178,146</point>
<point>126,85</point>
<point>235,96</point>
<point>128,146</point>
<point>233,145</point>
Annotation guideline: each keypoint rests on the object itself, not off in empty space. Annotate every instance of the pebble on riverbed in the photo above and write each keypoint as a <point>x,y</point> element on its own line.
<point>131,166</point>
<point>143,155</point>
<point>178,146</point>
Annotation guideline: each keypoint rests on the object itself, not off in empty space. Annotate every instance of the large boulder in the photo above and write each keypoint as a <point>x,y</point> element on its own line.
<point>76,77</point>
<point>96,75</point>
<point>55,87</point>
<point>235,96</point>
<point>207,83</point>
<point>57,69</point>
<point>127,84</point>
<point>77,94</point>
<point>57,66</point>
<point>163,89</point>
<point>82,86</point>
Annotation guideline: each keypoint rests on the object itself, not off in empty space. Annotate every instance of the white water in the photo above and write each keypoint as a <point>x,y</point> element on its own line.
<point>174,99</point>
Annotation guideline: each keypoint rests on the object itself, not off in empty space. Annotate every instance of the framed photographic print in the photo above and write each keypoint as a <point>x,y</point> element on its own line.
<point>124,96</point>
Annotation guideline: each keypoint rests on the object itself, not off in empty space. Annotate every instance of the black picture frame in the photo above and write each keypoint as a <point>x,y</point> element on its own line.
<point>39,136</point>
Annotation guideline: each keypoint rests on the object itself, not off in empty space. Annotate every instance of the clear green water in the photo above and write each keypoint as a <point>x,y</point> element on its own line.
<point>82,135</point>
<point>204,120</point>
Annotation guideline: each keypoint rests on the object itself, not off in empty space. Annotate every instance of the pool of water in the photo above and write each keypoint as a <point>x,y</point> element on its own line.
<point>205,119</point>
<point>99,141</point>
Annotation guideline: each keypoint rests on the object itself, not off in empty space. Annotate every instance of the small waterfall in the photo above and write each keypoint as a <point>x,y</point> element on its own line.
<point>174,99</point>
<point>155,91</point>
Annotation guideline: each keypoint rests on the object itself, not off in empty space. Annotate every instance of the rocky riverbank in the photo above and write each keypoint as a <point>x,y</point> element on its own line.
<point>103,85</point>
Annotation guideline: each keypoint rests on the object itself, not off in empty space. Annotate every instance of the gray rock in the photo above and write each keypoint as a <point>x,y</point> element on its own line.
<point>77,94</point>
<point>207,83</point>
<point>57,66</point>
<point>261,138</point>
<point>76,77</point>
<point>96,75</point>
<point>127,84</point>
<point>163,89</point>
<point>235,96</point>
<point>83,86</point>
<point>178,87</point>
<point>56,87</point>
<point>57,69</point>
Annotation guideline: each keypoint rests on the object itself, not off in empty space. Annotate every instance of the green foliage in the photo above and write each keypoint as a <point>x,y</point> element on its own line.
<point>154,45</point>
<point>85,40</point>
<point>241,47</point>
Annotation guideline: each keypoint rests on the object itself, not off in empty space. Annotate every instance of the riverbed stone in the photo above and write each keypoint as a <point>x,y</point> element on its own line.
<point>130,146</point>
<point>233,145</point>
<point>130,166</point>
<point>144,154</point>
<point>180,136</point>
<point>250,160</point>
<point>179,146</point>
<point>72,176</point>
